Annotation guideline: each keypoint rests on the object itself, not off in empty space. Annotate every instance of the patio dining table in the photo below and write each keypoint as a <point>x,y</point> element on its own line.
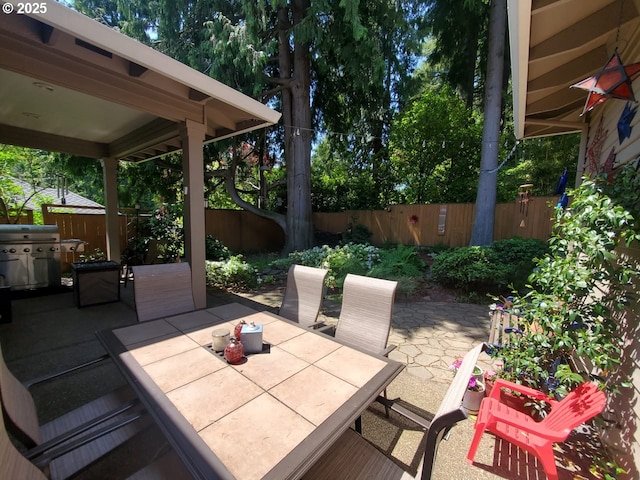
<point>271,416</point>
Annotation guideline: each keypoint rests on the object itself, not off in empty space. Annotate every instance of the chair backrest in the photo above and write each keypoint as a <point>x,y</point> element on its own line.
<point>13,464</point>
<point>581,404</point>
<point>19,406</point>
<point>366,313</point>
<point>303,296</point>
<point>162,290</point>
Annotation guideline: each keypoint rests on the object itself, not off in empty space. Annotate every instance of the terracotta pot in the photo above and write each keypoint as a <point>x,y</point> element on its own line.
<point>518,403</point>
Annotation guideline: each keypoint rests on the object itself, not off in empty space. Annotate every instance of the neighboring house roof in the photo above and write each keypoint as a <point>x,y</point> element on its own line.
<point>69,198</point>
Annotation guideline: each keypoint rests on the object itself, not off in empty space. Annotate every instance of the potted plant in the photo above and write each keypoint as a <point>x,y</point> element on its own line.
<point>475,389</point>
<point>567,320</point>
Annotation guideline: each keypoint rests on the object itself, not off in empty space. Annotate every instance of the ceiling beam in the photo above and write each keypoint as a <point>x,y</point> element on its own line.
<point>54,143</point>
<point>556,102</point>
<point>570,72</point>
<point>595,25</point>
<point>148,136</point>
<point>56,69</point>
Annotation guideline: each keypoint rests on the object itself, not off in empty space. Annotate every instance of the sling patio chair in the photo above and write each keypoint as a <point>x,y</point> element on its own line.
<point>352,457</point>
<point>15,465</point>
<point>303,295</point>
<point>162,290</point>
<point>537,438</point>
<point>85,434</point>
<point>365,316</point>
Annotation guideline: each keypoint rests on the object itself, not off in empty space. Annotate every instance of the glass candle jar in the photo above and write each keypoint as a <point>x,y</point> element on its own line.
<point>234,351</point>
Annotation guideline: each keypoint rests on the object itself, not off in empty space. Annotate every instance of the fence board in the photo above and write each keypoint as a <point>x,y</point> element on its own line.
<point>246,232</point>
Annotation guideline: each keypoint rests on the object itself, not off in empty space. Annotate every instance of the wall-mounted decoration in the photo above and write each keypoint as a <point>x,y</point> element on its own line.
<point>607,168</point>
<point>613,81</point>
<point>624,122</point>
<point>594,151</point>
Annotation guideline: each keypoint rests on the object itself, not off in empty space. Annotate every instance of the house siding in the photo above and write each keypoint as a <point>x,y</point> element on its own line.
<point>607,154</point>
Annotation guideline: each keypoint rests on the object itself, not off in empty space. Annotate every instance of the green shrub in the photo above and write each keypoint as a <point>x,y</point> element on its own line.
<point>402,261</point>
<point>357,233</point>
<point>234,272</point>
<point>215,249</point>
<point>517,256</point>
<point>467,267</point>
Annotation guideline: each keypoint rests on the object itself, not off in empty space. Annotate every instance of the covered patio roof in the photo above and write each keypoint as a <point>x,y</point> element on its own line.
<point>556,43</point>
<point>73,85</point>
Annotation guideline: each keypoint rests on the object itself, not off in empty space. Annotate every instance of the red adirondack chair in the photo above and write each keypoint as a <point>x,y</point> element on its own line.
<point>537,438</point>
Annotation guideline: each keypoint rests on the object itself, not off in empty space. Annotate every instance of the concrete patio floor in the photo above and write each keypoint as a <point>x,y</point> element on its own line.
<point>49,333</point>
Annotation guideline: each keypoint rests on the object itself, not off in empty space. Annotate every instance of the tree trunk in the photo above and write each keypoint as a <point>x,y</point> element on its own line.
<point>297,119</point>
<point>482,233</point>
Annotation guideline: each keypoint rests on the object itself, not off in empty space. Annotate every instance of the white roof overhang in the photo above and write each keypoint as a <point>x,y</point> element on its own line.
<point>71,84</point>
<point>557,43</point>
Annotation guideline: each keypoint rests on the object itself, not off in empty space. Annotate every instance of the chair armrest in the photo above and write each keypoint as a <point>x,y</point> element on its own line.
<point>52,376</point>
<point>516,387</point>
<point>133,407</point>
<point>504,415</point>
<point>42,459</point>
<point>388,350</point>
<point>317,325</point>
<point>405,412</point>
<point>327,329</point>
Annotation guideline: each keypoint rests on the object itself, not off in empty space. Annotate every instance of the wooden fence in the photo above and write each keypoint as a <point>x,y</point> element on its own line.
<point>446,224</point>
<point>245,232</point>
<point>89,227</point>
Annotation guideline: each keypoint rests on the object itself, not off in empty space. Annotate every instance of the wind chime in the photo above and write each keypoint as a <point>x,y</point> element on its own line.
<point>63,188</point>
<point>523,200</point>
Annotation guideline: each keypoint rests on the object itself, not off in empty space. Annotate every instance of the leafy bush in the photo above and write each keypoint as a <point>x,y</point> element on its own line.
<point>357,233</point>
<point>215,249</point>
<point>579,319</point>
<point>467,268</point>
<point>234,272</point>
<point>403,261</point>
<point>165,225</point>
<point>504,263</point>
<point>351,258</point>
<point>517,256</point>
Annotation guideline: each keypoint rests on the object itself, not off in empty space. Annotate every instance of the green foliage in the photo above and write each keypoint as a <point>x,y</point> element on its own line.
<point>435,149</point>
<point>467,268</point>
<point>517,256</point>
<point>234,272</point>
<point>459,29</point>
<point>96,255</point>
<point>625,191</point>
<point>215,249</point>
<point>504,263</point>
<point>577,294</point>
<point>400,262</point>
<point>539,161</point>
<point>357,233</point>
<point>165,225</point>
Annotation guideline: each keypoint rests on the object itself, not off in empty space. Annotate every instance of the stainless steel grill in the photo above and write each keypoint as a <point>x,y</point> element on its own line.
<point>30,255</point>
